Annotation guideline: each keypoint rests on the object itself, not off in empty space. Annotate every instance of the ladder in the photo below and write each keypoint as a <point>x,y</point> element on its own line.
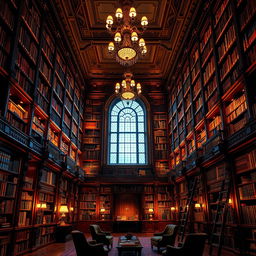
<point>217,234</point>
<point>184,211</point>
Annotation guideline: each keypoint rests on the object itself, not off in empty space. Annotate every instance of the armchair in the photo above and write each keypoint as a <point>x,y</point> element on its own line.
<point>167,237</point>
<point>193,246</point>
<point>83,247</point>
<point>101,236</point>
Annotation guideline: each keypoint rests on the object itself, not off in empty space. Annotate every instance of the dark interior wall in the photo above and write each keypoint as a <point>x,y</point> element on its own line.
<point>127,206</point>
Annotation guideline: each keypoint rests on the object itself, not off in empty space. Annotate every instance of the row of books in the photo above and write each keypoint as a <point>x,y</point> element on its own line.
<point>235,104</point>
<point>228,40</point>
<point>45,235</point>
<point>249,213</point>
<point>246,162</point>
<point>105,198</point>
<point>205,36</point>
<point>24,219</point>
<point>220,11</point>
<point>247,191</point>
<point>209,70</point>
<point>85,205</point>
<point>4,40</point>
<point>91,140</point>
<point>231,60</point>
<point>45,69</point>
<point>92,155</point>
<point>28,43</point>
<point>247,13</point>
<point>105,189</point>
<point>223,21</point>
<point>164,204</point>
<point>7,14</point>
<point>161,154</point>
<point>249,177</point>
<point>215,173</point>
<point>214,123</point>
<point>48,177</point>
<point>25,205</point>
<point>6,207</point>
<point>32,18</point>
<point>195,71</point>
<point>249,36</point>
<point>22,234</point>
<point>45,197</point>
<point>26,67</point>
<point>237,112</point>
<point>149,205</point>
<point>5,160</point>
<point>149,197</point>
<point>238,125</point>
<point>88,197</point>
<point>160,139</point>
<point>87,215</point>
<point>159,124</point>
<point>44,219</point>
<point>21,246</point>
<point>48,46</point>
<point>7,189</point>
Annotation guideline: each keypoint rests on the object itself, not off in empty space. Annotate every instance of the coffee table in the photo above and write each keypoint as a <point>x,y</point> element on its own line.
<point>129,245</point>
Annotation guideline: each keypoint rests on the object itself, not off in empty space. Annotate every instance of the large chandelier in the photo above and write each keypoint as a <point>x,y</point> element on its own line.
<point>128,90</point>
<point>127,45</point>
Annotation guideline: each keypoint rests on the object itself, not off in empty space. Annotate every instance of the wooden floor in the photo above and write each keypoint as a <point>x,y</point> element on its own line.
<point>67,249</point>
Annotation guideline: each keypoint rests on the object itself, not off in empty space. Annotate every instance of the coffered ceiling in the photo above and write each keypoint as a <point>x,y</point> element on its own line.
<point>84,22</point>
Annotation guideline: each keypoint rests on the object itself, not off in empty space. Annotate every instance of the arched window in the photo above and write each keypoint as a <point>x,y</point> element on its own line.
<point>127,133</point>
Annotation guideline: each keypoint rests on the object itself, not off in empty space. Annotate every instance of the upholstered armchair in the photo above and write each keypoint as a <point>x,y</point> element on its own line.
<point>167,237</point>
<point>193,246</point>
<point>101,236</point>
<point>83,247</point>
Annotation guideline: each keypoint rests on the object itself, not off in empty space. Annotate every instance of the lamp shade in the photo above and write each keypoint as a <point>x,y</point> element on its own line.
<point>134,36</point>
<point>173,208</point>
<point>144,21</point>
<point>151,210</point>
<point>117,37</point>
<point>102,210</point>
<point>197,205</point>
<point>43,206</point>
<point>63,209</point>
<point>119,13</point>
<point>132,12</point>
<point>109,20</point>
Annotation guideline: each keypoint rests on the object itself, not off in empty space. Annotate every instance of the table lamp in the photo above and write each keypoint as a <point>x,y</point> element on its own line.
<point>63,209</point>
<point>102,211</point>
<point>150,210</point>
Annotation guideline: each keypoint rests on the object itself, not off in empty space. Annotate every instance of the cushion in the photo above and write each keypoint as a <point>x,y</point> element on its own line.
<point>156,238</point>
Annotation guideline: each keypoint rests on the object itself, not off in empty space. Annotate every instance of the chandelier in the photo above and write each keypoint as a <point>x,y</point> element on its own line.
<point>128,90</point>
<point>127,45</point>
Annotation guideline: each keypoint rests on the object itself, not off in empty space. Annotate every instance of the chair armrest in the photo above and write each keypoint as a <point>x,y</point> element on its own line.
<point>92,242</point>
<point>158,234</point>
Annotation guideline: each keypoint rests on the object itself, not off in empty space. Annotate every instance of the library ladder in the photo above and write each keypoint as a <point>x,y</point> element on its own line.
<point>220,217</point>
<point>184,211</point>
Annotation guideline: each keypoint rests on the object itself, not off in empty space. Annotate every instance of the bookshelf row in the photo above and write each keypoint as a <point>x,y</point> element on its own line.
<point>209,92</point>
<point>40,75</point>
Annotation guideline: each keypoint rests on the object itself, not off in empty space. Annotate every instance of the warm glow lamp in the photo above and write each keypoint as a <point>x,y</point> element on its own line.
<point>63,209</point>
<point>173,208</point>
<point>151,211</point>
<point>197,206</point>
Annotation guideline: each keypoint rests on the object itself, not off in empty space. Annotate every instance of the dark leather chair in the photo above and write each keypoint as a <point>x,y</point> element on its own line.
<point>193,246</point>
<point>167,237</point>
<point>101,236</point>
<point>83,247</point>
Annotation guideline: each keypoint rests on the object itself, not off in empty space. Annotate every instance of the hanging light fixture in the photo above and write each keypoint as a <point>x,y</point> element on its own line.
<point>127,45</point>
<point>128,90</point>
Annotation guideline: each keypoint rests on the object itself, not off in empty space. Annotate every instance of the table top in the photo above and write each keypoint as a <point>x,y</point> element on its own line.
<point>132,242</point>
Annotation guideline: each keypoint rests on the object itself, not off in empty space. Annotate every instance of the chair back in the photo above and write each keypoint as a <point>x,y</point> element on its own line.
<point>95,230</point>
<point>80,242</point>
<point>194,244</point>
<point>170,229</point>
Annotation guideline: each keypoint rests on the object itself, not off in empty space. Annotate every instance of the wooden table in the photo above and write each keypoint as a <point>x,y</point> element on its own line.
<point>129,245</point>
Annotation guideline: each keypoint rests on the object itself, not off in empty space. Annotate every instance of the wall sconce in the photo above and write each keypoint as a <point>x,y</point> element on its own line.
<point>63,209</point>
<point>230,201</point>
<point>173,209</point>
<point>71,209</point>
<point>41,206</point>
<point>197,206</point>
<point>102,211</point>
<point>151,211</point>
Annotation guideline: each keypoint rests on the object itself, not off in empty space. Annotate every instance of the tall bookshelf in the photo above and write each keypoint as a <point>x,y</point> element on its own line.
<point>245,168</point>
<point>92,137</point>
<point>160,143</point>
<point>88,204</point>
<point>148,202</point>
<point>106,203</point>
<point>164,201</point>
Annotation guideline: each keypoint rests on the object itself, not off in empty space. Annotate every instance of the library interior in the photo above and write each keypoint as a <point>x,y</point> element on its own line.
<point>128,127</point>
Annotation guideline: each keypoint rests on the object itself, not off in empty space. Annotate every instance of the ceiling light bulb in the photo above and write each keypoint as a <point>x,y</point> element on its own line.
<point>117,37</point>
<point>117,86</point>
<point>132,83</point>
<point>132,12</point>
<point>144,21</point>
<point>144,50</point>
<point>111,46</point>
<point>142,42</point>
<point>138,86</point>
<point>134,37</point>
<point>124,83</point>
<point>119,13</point>
<point>109,20</point>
